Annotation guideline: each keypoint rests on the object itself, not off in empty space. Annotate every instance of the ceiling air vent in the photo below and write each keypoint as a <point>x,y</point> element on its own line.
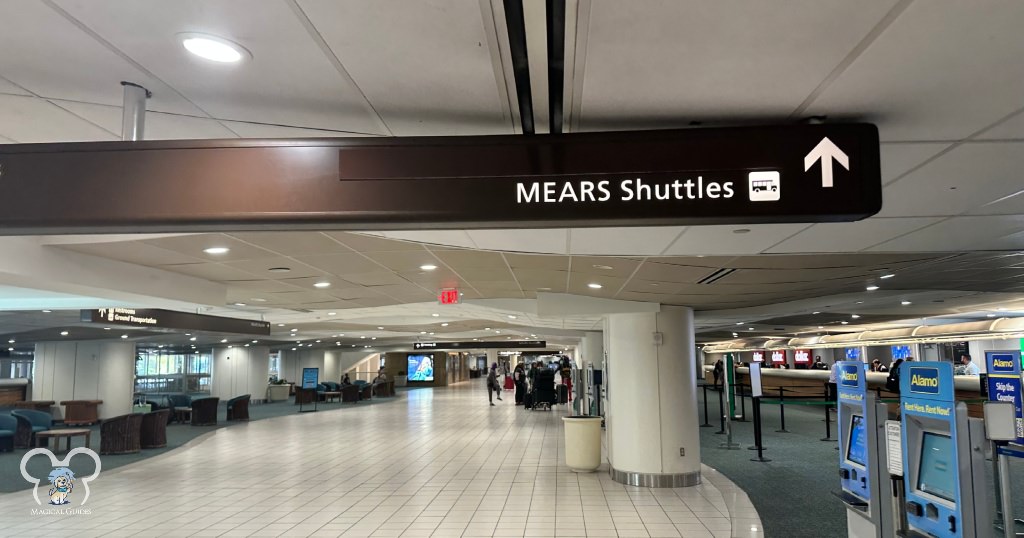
<point>717,275</point>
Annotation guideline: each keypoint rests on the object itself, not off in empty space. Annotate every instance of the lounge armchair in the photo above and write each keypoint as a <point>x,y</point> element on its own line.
<point>8,429</point>
<point>154,429</point>
<point>29,424</point>
<point>155,406</point>
<point>204,411</point>
<point>121,435</point>
<point>350,393</point>
<point>238,407</point>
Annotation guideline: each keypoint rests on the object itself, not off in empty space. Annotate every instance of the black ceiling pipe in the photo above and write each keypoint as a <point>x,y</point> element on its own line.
<point>556,61</point>
<point>520,62</point>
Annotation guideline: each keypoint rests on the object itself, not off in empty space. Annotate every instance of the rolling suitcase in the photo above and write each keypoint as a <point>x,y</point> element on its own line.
<point>528,401</point>
<point>563,394</point>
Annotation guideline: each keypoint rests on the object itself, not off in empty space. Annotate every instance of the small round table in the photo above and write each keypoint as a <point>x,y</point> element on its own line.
<point>182,414</point>
<point>66,433</point>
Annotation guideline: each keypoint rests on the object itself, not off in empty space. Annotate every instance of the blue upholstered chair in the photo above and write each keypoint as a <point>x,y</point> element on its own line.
<point>8,428</point>
<point>29,423</point>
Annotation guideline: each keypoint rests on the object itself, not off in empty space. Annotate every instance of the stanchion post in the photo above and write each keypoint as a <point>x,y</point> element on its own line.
<point>743,404</point>
<point>782,413</point>
<point>706,423</point>
<point>756,404</point>
<point>828,425</point>
<point>721,413</point>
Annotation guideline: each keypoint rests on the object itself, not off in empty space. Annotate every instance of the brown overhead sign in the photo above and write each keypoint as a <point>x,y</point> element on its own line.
<point>741,175</point>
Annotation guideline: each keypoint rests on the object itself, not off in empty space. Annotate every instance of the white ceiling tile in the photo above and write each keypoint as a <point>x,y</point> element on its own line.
<point>50,56</point>
<point>451,238</point>
<point>643,241</point>
<point>9,87</point>
<point>30,119</point>
<point>1011,128</point>
<point>941,71</point>
<point>261,130</point>
<point>552,241</point>
<point>660,63</point>
<point>898,159</point>
<point>159,126</point>
<point>713,240</point>
<point>850,236</point>
<point>962,233</point>
<point>288,80</point>
<point>440,49</point>
<point>962,180</point>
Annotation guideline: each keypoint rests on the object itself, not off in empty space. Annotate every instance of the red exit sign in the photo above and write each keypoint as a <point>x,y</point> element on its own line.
<point>448,296</point>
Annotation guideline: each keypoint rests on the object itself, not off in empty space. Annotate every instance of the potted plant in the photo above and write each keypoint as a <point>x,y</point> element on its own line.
<point>278,390</point>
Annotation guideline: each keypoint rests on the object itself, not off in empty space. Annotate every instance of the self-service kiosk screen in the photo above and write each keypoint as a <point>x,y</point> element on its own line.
<point>857,446</point>
<point>936,474</point>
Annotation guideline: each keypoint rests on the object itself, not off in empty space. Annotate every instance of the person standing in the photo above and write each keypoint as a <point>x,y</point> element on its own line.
<point>969,367</point>
<point>717,372</point>
<point>519,377</point>
<point>492,384</point>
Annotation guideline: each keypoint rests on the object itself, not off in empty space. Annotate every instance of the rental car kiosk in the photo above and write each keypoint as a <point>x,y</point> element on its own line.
<point>862,471</point>
<point>943,456</point>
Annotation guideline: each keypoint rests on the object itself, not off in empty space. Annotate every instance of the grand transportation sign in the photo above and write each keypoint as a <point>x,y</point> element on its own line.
<point>739,175</point>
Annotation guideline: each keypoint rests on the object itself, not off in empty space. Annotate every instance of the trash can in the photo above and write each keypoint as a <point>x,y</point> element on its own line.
<point>582,443</point>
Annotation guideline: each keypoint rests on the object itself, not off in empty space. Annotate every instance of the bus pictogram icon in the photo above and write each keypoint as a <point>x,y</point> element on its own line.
<point>764,186</point>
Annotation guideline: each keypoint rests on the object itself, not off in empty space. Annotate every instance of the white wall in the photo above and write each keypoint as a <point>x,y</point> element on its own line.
<point>292,363</point>
<point>240,370</point>
<point>93,370</point>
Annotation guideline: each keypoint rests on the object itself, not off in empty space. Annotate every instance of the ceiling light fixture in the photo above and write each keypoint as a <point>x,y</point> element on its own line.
<point>428,267</point>
<point>213,48</point>
<point>444,324</point>
<point>322,285</point>
<point>295,330</point>
<point>332,313</point>
<point>47,311</point>
<point>821,326</point>
<point>224,341</point>
<point>510,316</point>
<point>106,328</point>
<point>603,267</point>
<point>890,275</point>
<point>1001,309</point>
<point>594,286</point>
<point>279,269</point>
<point>380,328</point>
<point>363,337</point>
<point>239,304</point>
<point>255,341</point>
<point>257,300</point>
<point>11,341</point>
<point>423,332</point>
<point>855,316</point>
<point>217,250</point>
<point>280,324</point>
<point>435,315</point>
<point>63,333</point>
<point>815,312</point>
<point>750,328</point>
<point>193,339</point>
<point>871,288</point>
<point>990,315</point>
<point>904,303</point>
<point>124,336</point>
<point>844,322</point>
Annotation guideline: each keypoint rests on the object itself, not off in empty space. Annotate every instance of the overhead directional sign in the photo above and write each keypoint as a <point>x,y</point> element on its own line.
<point>508,344</point>
<point>741,175</point>
<point>169,319</point>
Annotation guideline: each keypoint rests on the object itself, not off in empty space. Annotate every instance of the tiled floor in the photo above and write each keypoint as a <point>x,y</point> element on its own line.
<point>435,462</point>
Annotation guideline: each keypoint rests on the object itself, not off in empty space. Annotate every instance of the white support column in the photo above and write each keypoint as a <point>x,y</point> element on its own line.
<point>652,399</point>
<point>93,370</point>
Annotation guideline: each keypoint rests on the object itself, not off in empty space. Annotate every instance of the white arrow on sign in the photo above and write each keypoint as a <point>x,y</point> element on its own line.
<point>825,151</point>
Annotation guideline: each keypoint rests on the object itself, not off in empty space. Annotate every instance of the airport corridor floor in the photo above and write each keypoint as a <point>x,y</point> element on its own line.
<point>436,462</point>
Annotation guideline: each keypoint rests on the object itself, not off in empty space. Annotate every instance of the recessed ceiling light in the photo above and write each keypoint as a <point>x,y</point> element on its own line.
<point>495,332</point>
<point>188,334</point>
<point>213,48</point>
<point>1001,309</point>
<point>280,324</point>
<point>10,349</point>
<point>428,267</point>
<point>339,343</point>
<point>293,349</point>
<point>63,333</point>
<point>224,341</point>
<point>487,328</point>
<point>371,338</point>
<point>594,285</point>
<point>444,324</point>
<point>246,345</point>
<point>844,322</point>
<point>332,313</point>
<point>815,312</point>
<point>193,339</point>
<point>860,302</point>
<point>255,341</point>
<point>124,336</point>
<point>322,285</point>
<point>279,269</point>
<point>821,326</point>
<point>423,332</point>
<point>890,275</point>
<point>510,316</point>
<point>750,328</point>
<point>380,328</point>
<point>217,250</point>
<point>11,341</point>
<point>47,311</point>
<point>239,304</point>
<point>106,328</point>
<point>476,339</point>
<point>855,316</point>
<point>341,334</point>
<point>543,289</point>
<point>990,315</point>
<point>435,315</point>
<point>533,336</point>
<point>904,303</point>
<point>318,341</point>
<point>257,300</point>
<point>295,330</point>
<point>871,288</point>
<point>363,337</point>
<point>741,231</point>
<point>604,267</point>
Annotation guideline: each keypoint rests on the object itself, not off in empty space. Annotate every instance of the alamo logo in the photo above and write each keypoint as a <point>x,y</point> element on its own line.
<point>1002,363</point>
<point>848,376</point>
<point>924,380</point>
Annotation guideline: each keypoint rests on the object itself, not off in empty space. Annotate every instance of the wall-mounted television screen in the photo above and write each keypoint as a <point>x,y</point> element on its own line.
<point>853,353</point>
<point>935,476</point>
<point>421,367</point>
<point>900,352</point>
<point>857,446</point>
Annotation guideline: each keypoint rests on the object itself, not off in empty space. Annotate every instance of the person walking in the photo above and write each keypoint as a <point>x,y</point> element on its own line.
<point>717,371</point>
<point>492,384</point>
